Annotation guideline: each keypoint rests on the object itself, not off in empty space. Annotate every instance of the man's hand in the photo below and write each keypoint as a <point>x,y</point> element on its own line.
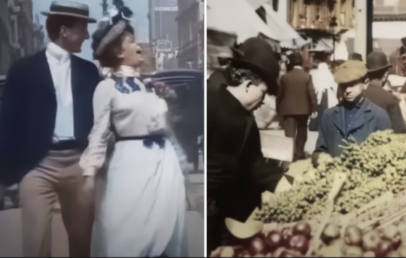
<point>314,115</point>
<point>88,185</point>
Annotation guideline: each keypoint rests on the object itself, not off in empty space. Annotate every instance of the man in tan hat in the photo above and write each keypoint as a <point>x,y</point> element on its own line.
<point>45,120</point>
<point>355,118</point>
<point>378,67</point>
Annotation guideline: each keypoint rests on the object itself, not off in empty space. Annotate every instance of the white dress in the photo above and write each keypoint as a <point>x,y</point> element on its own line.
<point>140,212</point>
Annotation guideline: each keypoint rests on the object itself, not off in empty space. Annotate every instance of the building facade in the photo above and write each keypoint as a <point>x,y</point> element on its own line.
<point>191,33</point>
<point>389,21</point>
<point>163,32</point>
<point>20,35</point>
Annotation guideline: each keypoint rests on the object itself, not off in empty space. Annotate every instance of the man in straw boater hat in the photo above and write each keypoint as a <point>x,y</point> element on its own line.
<point>45,119</point>
<point>355,118</point>
<point>237,173</point>
<point>378,71</point>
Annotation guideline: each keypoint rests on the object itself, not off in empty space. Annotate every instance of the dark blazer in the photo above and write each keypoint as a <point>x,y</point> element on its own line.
<point>370,118</point>
<point>237,172</point>
<point>296,95</point>
<point>28,112</point>
<point>387,101</point>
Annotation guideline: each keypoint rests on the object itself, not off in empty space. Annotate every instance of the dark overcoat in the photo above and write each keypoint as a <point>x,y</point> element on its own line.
<point>237,173</point>
<point>386,100</point>
<point>370,118</point>
<point>28,112</point>
<point>296,95</point>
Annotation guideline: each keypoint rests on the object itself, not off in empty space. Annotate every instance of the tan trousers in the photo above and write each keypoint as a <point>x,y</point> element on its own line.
<point>58,176</point>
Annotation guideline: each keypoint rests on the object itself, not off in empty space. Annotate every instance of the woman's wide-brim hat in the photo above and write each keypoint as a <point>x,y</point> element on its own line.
<point>68,8</point>
<point>377,61</point>
<point>257,55</point>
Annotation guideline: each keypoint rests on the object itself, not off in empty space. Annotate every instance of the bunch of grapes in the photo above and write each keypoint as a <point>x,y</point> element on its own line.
<point>373,167</point>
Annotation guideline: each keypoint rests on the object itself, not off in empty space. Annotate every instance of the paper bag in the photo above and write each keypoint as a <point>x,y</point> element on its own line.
<point>276,146</point>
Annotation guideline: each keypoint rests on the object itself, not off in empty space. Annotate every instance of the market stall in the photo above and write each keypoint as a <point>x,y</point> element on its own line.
<point>222,34</point>
<point>351,206</point>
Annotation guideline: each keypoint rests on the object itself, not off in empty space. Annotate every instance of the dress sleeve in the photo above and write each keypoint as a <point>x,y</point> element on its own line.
<point>94,156</point>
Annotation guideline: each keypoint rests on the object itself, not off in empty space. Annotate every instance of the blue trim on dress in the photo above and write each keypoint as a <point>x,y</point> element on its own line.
<point>130,81</point>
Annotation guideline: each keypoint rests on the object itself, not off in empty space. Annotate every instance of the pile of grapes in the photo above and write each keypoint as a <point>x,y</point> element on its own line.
<point>373,167</point>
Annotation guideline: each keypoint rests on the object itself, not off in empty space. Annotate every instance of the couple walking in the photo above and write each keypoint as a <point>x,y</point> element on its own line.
<point>54,142</point>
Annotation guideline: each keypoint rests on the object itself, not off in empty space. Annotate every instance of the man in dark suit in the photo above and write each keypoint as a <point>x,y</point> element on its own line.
<point>237,172</point>
<point>46,117</point>
<point>295,102</point>
<point>378,66</point>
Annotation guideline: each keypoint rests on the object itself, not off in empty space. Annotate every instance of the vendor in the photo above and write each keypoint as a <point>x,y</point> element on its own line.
<point>237,172</point>
<point>354,118</point>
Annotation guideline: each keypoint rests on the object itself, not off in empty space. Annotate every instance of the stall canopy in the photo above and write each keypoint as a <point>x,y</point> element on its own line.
<point>237,17</point>
<point>288,37</point>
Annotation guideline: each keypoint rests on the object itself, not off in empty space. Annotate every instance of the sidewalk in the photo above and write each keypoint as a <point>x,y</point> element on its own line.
<point>10,225</point>
<point>11,245</point>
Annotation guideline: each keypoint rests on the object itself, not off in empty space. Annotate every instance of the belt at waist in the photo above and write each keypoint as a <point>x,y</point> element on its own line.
<point>148,140</point>
<point>65,145</point>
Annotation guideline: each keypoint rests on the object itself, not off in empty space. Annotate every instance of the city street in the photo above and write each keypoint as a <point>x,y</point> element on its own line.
<point>10,224</point>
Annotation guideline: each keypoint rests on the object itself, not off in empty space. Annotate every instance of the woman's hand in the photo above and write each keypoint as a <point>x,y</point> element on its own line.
<point>161,89</point>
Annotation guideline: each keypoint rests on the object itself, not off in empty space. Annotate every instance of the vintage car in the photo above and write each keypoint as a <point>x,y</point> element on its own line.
<point>186,108</point>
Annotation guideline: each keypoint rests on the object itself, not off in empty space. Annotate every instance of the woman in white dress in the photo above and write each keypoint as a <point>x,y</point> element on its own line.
<point>140,212</point>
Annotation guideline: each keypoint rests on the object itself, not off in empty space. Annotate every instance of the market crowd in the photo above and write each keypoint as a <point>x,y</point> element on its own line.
<point>344,101</point>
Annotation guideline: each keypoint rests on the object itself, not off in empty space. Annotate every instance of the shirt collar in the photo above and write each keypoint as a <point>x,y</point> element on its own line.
<point>57,52</point>
<point>126,71</point>
<point>375,83</point>
<point>298,67</point>
<point>356,105</point>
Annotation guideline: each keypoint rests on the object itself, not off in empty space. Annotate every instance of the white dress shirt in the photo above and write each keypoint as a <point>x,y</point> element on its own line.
<point>60,66</point>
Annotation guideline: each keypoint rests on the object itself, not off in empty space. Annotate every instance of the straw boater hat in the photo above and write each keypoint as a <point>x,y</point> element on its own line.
<point>67,8</point>
<point>350,71</point>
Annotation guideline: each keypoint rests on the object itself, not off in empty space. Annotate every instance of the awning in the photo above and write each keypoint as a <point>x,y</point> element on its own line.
<point>288,37</point>
<point>257,3</point>
<point>236,17</point>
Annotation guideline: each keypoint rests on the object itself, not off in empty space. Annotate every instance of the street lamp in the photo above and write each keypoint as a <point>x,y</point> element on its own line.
<point>333,24</point>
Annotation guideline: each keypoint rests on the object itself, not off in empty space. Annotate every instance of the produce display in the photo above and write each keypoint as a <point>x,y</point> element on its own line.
<point>373,167</point>
<point>389,241</point>
<point>296,241</point>
<point>287,242</point>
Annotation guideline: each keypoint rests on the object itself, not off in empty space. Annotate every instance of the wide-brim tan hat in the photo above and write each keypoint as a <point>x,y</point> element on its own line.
<point>350,71</point>
<point>68,8</point>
